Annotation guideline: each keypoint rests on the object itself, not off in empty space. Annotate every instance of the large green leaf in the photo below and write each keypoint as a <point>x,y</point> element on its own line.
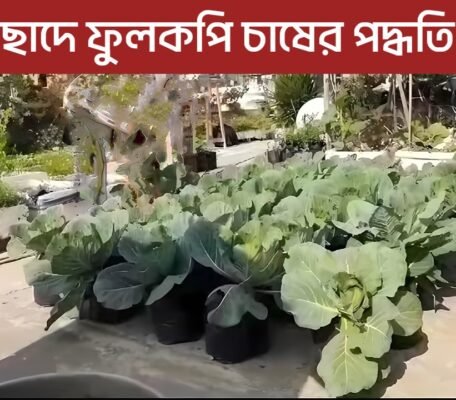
<point>290,210</point>
<point>386,225</point>
<point>344,370</point>
<point>410,317</point>
<point>242,199</point>
<point>421,267</point>
<point>236,302</point>
<point>393,268</point>
<point>202,239</point>
<point>216,210</point>
<point>374,336</point>
<point>71,300</point>
<point>37,235</point>
<point>362,262</point>
<point>262,200</point>
<point>358,215</point>
<point>147,247</point>
<point>177,226</point>
<point>33,270</point>
<point>314,258</point>
<point>120,286</point>
<point>305,290</point>
<point>182,267</point>
<point>166,206</point>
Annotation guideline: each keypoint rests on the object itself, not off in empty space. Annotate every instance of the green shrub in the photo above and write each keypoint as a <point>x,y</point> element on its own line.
<point>303,137</point>
<point>290,94</point>
<point>54,163</point>
<point>254,122</point>
<point>8,197</point>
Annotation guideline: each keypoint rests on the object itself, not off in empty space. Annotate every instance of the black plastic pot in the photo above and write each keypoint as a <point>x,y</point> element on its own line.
<point>76,386</point>
<point>248,339</point>
<point>179,316</point>
<point>315,147</point>
<point>276,155</point>
<point>91,310</point>
<point>406,342</point>
<point>206,160</point>
<point>191,162</point>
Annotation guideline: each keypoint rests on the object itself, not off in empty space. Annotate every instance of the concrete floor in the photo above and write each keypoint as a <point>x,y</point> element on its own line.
<point>185,370</point>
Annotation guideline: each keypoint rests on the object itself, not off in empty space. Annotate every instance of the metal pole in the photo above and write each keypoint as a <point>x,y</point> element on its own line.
<point>219,106</point>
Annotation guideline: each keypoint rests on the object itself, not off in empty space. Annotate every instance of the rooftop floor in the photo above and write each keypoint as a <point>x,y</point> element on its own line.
<point>185,370</point>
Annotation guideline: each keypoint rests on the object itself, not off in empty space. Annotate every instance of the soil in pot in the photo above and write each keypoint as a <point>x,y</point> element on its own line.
<point>248,339</point>
<point>406,342</point>
<point>91,310</point>
<point>179,316</point>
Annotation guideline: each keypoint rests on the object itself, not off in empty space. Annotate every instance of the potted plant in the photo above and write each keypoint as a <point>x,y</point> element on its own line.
<point>77,268</point>
<point>206,158</point>
<point>361,286</point>
<point>277,152</point>
<point>308,138</point>
<point>251,259</point>
<point>35,236</point>
<point>176,287</point>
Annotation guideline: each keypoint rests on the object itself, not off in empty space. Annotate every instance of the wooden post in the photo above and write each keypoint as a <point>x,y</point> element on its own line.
<point>393,84</point>
<point>222,127</point>
<point>326,91</point>
<point>169,149</point>
<point>193,121</point>
<point>403,100</point>
<point>410,108</point>
<point>208,112</point>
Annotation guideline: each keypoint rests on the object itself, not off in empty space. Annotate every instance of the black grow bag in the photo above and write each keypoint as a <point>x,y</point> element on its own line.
<point>191,162</point>
<point>179,316</point>
<point>91,309</point>
<point>406,342</point>
<point>206,160</point>
<point>248,339</point>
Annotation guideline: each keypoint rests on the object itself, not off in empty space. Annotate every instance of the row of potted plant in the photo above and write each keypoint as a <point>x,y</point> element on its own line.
<point>347,249</point>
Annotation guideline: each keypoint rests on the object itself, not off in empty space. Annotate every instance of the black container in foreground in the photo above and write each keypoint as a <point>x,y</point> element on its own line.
<point>406,342</point>
<point>248,339</point>
<point>91,310</point>
<point>179,316</point>
<point>76,386</point>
